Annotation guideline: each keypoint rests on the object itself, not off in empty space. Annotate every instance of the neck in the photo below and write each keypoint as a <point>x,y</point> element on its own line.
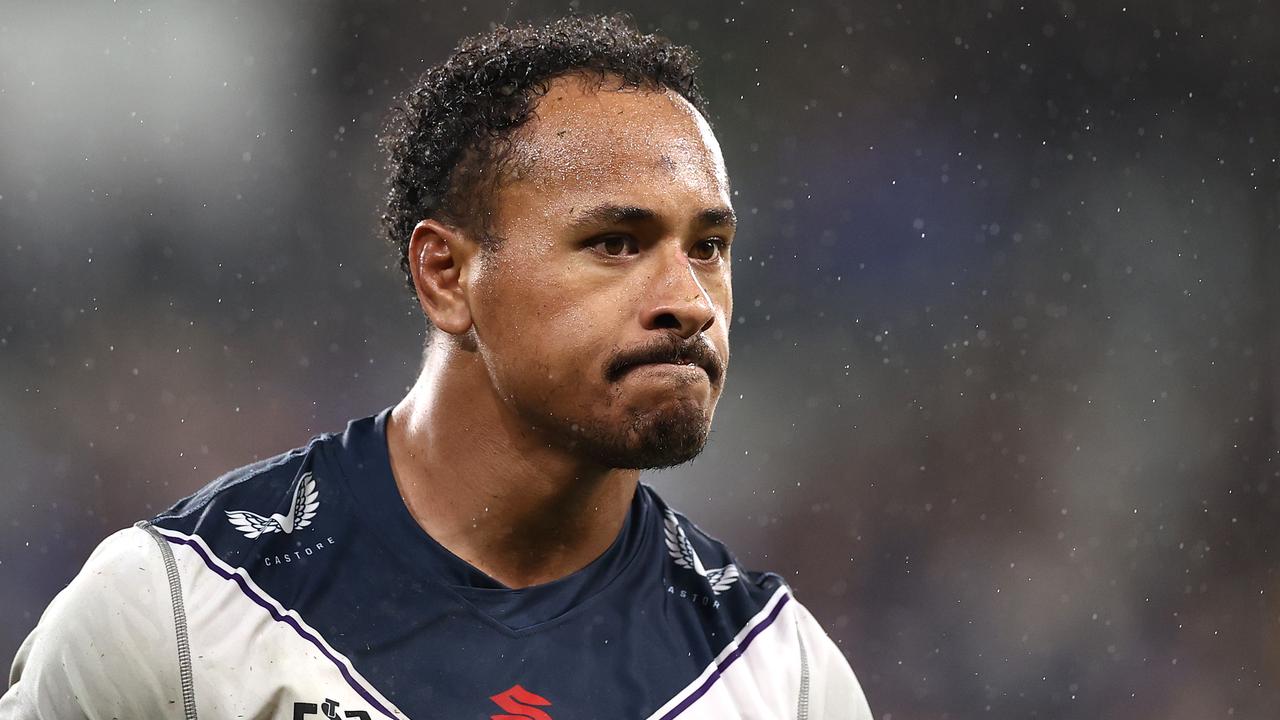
<point>494,491</point>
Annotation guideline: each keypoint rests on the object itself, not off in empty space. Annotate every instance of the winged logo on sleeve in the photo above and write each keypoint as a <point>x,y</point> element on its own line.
<point>682,553</point>
<point>306,500</point>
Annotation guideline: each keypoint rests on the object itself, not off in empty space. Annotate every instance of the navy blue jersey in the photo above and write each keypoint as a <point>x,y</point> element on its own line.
<point>301,586</point>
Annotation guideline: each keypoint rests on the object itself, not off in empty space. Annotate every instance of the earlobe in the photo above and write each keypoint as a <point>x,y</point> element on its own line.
<point>437,259</point>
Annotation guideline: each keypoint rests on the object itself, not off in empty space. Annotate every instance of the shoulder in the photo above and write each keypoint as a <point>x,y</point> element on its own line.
<point>249,485</point>
<point>691,547</point>
<point>834,690</point>
<point>118,588</point>
<point>116,613</point>
<point>701,571</point>
<point>765,641</point>
<point>275,496</point>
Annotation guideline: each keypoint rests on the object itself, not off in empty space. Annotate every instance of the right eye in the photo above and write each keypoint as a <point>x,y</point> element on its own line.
<point>616,245</point>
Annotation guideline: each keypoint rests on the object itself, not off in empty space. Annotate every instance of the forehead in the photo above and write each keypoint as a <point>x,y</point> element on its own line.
<point>588,135</point>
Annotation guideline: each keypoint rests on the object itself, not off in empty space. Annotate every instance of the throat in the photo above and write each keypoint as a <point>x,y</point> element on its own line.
<point>520,539</point>
<point>523,515</point>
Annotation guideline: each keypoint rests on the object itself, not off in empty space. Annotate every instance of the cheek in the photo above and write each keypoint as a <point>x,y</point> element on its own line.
<point>726,296</point>
<point>538,332</point>
<point>719,288</point>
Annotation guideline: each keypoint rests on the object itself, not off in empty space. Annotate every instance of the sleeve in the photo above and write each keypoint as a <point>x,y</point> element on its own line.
<point>832,691</point>
<point>106,646</point>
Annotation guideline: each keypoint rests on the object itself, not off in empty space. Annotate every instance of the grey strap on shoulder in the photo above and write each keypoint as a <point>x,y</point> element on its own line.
<point>802,705</point>
<point>179,621</point>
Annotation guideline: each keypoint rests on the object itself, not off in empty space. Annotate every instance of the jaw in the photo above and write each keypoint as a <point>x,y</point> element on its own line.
<point>624,430</point>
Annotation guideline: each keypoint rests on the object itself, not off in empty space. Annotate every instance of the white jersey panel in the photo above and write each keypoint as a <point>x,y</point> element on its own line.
<point>252,658</point>
<point>106,648</point>
<point>748,680</point>
<point>117,613</point>
<point>834,692</point>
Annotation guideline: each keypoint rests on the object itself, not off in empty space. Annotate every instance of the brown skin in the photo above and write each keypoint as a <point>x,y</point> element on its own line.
<point>519,446</point>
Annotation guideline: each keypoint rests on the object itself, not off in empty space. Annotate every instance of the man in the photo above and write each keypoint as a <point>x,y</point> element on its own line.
<point>484,548</point>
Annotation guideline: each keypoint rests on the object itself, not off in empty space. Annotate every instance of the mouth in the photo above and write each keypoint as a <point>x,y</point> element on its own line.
<point>693,362</point>
<point>681,368</point>
<point>688,364</point>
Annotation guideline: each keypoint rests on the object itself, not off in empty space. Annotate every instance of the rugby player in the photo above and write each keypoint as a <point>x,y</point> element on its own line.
<point>484,548</point>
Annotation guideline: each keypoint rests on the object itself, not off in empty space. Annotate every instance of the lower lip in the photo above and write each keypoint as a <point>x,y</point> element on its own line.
<point>671,369</point>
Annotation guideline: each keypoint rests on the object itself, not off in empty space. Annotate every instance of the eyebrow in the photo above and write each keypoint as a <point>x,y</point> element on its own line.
<point>630,214</point>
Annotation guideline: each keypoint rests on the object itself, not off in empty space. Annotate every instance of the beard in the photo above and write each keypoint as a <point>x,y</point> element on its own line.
<point>654,439</point>
<point>635,433</point>
<point>648,439</point>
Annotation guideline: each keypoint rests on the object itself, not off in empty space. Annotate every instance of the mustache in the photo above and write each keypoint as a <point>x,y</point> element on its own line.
<point>696,350</point>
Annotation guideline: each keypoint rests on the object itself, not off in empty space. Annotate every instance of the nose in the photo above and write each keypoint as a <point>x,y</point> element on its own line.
<point>679,302</point>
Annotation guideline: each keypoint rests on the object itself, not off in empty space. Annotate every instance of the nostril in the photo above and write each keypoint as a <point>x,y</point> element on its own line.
<point>666,321</point>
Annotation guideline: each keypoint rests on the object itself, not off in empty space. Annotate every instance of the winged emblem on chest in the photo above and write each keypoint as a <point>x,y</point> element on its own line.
<point>683,554</point>
<point>306,500</point>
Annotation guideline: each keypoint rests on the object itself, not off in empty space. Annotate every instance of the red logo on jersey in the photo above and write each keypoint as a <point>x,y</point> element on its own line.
<point>519,703</point>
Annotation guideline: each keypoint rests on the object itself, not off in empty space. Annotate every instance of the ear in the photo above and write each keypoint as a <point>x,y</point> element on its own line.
<point>438,256</point>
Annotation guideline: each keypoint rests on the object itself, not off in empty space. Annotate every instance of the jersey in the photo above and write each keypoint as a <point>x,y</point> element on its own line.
<point>301,587</point>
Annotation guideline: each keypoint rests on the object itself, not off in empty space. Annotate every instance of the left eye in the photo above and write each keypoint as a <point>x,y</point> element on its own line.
<point>709,249</point>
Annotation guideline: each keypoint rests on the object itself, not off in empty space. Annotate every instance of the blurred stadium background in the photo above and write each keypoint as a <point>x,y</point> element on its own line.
<point>1005,398</point>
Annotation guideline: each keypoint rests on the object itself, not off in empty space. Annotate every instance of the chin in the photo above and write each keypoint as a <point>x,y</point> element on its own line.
<point>648,439</point>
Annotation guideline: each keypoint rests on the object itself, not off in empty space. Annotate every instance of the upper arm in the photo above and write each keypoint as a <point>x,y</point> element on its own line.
<point>106,646</point>
<point>833,690</point>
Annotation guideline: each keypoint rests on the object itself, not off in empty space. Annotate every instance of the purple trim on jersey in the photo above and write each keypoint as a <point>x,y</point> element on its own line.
<point>275,615</point>
<point>721,666</point>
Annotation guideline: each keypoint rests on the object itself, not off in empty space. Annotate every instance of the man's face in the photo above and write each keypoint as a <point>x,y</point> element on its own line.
<point>603,314</point>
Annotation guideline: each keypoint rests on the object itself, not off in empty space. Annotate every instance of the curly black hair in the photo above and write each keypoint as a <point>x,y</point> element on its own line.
<point>448,136</point>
